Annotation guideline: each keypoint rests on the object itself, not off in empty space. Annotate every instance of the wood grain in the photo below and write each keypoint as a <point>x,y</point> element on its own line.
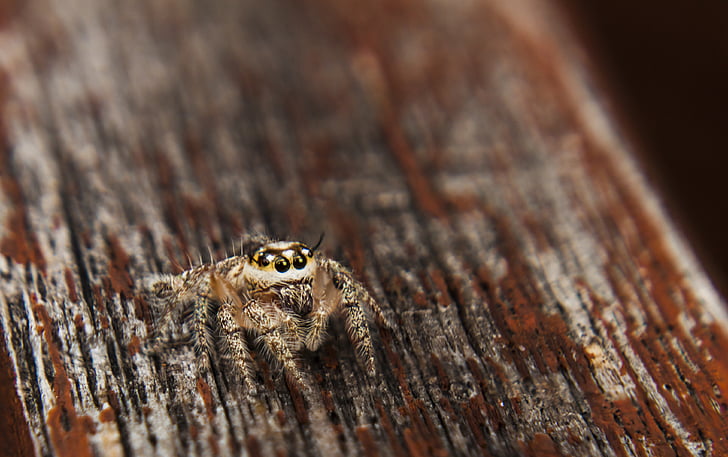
<point>458,158</point>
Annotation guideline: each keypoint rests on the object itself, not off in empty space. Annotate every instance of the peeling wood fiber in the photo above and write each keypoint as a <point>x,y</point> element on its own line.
<point>458,160</point>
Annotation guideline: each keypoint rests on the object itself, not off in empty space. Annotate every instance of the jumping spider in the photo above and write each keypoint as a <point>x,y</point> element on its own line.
<point>283,292</point>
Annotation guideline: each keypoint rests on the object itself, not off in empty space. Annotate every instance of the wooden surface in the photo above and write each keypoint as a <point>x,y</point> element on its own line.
<point>668,81</point>
<point>459,160</point>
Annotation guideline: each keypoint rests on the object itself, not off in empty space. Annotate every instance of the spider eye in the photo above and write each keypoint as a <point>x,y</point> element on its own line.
<point>299,262</point>
<point>282,264</point>
<point>263,260</point>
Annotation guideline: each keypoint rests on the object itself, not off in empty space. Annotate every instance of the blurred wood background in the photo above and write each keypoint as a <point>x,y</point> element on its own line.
<point>461,157</point>
<point>666,64</point>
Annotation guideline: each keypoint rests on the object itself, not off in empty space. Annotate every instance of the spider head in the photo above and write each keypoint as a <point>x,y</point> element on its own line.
<point>281,261</point>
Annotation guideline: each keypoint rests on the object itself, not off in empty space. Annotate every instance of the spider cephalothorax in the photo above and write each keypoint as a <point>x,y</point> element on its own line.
<point>283,292</point>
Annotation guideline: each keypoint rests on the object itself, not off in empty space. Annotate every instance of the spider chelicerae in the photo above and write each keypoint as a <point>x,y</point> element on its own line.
<point>281,292</point>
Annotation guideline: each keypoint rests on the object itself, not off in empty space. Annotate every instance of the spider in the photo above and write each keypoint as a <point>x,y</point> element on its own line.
<point>282,292</point>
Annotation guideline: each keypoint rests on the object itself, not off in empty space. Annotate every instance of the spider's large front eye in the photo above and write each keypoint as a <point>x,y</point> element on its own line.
<point>282,264</point>
<point>299,262</point>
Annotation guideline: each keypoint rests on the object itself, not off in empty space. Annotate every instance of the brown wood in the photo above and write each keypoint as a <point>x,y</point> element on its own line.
<point>459,159</point>
<point>667,66</point>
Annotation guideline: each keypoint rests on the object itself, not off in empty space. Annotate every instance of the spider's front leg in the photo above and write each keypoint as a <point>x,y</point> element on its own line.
<point>352,294</point>
<point>236,315</point>
<point>236,348</point>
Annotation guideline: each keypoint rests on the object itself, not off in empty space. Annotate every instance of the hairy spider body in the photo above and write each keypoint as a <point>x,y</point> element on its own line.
<point>282,292</point>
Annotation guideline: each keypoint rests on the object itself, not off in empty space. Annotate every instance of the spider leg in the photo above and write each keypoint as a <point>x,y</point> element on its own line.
<point>236,347</point>
<point>359,335</point>
<point>326,297</point>
<point>274,330</point>
<point>339,273</point>
<point>202,328</point>
<point>317,329</point>
<point>181,293</point>
<point>277,332</point>
<point>353,294</point>
<point>276,343</point>
<point>162,296</point>
<point>233,333</point>
<point>377,310</point>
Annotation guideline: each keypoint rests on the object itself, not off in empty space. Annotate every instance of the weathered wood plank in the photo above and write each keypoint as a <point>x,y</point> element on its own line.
<point>458,160</point>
